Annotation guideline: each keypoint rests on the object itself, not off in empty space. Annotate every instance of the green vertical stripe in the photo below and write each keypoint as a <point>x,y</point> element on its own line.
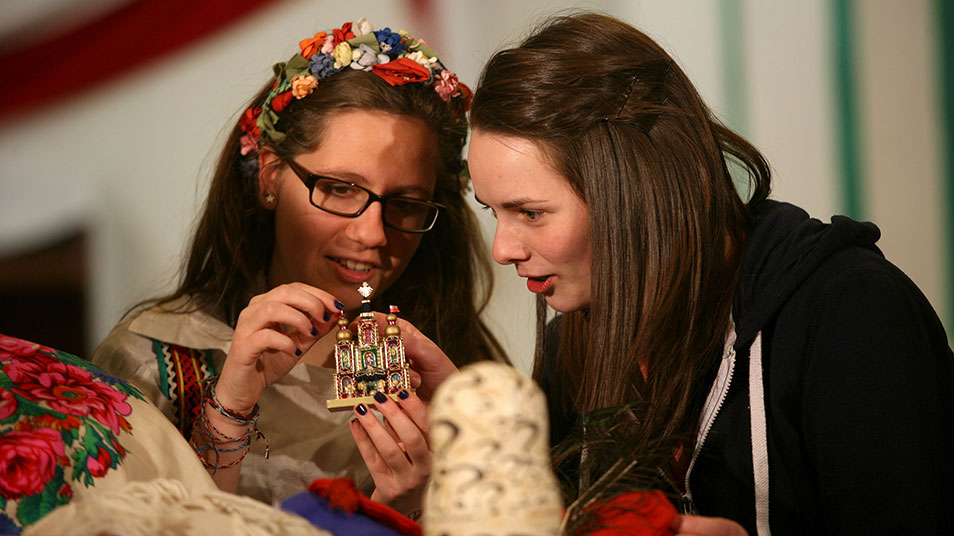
<point>733,60</point>
<point>734,82</point>
<point>945,43</point>
<point>847,107</point>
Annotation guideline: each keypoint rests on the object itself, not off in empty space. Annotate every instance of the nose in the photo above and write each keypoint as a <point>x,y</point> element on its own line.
<point>508,248</point>
<point>368,228</point>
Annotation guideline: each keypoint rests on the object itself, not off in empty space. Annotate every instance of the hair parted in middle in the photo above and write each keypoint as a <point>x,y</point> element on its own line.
<point>447,283</point>
<point>612,113</point>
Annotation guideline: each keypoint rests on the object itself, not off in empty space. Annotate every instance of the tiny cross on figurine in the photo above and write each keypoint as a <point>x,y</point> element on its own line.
<point>365,290</point>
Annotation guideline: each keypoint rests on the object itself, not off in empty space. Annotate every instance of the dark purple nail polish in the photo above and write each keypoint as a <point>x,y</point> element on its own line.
<point>314,330</point>
<point>361,409</point>
<point>403,394</point>
<point>339,305</point>
<point>326,317</point>
<point>354,420</point>
<point>297,351</point>
<point>380,398</point>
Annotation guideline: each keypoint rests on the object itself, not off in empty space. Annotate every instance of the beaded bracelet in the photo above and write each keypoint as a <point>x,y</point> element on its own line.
<point>216,440</point>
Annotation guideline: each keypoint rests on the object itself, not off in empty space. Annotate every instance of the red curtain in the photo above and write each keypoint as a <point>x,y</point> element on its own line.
<point>105,48</point>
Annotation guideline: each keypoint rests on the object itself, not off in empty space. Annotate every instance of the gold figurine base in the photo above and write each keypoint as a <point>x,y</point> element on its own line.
<point>347,404</point>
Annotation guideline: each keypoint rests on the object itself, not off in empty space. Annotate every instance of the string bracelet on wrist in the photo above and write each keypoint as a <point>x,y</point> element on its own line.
<point>217,440</point>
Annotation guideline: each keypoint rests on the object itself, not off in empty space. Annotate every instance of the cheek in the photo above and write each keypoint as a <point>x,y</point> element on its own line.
<point>401,248</point>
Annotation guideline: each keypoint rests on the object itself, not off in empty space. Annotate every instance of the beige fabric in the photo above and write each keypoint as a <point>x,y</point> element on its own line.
<point>165,506</point>
<point>307,441</point>
<point>154,449</point>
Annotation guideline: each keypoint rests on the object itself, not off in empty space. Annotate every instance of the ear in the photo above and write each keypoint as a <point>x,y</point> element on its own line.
<point>268,168</point>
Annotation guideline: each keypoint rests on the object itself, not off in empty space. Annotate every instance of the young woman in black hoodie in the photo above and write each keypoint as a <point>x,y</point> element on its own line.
<point>794,380</point>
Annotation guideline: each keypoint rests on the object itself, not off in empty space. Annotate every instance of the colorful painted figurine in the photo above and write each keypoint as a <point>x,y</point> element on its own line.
<point>367,364</point>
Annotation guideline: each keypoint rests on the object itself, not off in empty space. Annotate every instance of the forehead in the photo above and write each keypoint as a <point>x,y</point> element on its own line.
<point>502,165</point>
<point>376,149</point>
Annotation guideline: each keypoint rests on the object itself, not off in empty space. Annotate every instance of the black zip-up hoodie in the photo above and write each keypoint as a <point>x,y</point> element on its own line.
<point>857,385</point>
<point>857,405</point>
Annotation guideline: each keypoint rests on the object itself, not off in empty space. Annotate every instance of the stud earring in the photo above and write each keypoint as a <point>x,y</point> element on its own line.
<point>269,199</point>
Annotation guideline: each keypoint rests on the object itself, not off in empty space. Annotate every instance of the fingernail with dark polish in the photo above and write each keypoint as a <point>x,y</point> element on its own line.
<point>326,317</point>
<point>354,420</point>
<point>380,398</point>
<point>361,409</point>
<point>339,305</point>
<point>403,394</point>
<point>297,351</point>
<point>314,330</point>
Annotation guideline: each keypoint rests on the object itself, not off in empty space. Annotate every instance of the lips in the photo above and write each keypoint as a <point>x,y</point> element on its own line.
<point>539,285</point>
<point>356,266</point>
<point>352,271</point>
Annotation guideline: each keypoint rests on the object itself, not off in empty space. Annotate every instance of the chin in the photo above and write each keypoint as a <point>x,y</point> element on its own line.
<point>566,306</point>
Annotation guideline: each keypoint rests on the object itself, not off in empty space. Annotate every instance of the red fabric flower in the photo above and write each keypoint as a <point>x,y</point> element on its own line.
<point>28,461</point>
<point>311,46</point>
<point>645,513</point>
<point>249,124</point>
<point>71,390</point>
<point>281,101</point>
<point>401,71</point>
<point>343,34</point>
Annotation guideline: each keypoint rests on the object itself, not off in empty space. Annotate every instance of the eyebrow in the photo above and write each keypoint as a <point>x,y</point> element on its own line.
<point>514,203</point>
<point>357,178</point>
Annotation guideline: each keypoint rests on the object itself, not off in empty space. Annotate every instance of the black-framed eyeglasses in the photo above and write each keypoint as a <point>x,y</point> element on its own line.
<point>349,200</point>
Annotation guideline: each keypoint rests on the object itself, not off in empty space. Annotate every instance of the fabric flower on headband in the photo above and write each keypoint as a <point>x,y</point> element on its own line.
<point>397,57</point>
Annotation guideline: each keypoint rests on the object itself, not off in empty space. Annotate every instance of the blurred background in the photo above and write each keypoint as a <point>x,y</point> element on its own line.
<point>112,113</point>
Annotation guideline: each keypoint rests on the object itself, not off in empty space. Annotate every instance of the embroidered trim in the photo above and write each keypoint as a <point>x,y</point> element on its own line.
<point>182,372</point>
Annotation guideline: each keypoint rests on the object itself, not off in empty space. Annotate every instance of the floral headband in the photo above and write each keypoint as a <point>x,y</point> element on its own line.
<point>397,57</point>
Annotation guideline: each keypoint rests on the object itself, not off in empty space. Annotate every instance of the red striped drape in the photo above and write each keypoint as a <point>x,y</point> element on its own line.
<point>107,47</point>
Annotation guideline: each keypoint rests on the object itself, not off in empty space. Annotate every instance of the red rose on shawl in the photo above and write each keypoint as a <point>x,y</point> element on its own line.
<point>11,347</point>
<point>342,34</point>
<point>281,101</point>
<point>71,390</point>
<point>8,404</point>
<point>99,466</point>
<point>401,71</point>
<point>28,460</point>
<point>249,122</point>
<point>311,46</point>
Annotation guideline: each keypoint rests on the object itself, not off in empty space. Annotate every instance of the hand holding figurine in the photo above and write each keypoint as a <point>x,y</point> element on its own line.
<point>396,451</point>
<point>271,335</point>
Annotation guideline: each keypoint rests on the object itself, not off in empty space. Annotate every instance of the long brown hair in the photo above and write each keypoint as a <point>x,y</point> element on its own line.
<point>620,120</point>
<point>447,283</point>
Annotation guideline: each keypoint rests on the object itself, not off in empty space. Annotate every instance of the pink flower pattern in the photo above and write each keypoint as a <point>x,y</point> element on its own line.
<point>60,418</point>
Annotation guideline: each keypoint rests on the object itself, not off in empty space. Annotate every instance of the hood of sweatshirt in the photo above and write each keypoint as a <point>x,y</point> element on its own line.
<point>783,249</point>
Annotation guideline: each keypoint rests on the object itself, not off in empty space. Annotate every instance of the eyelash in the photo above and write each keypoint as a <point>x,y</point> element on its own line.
<point>531,215</point>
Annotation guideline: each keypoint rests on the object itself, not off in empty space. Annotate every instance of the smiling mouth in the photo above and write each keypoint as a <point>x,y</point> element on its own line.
<point>355,266</point>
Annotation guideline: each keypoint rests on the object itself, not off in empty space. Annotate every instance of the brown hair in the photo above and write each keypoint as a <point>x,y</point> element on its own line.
<point>446,284</point>
<point>613,113</point>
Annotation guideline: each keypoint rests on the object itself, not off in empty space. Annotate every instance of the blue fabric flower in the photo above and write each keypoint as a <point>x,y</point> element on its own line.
<point>390,42</point>
<point>322,66</point>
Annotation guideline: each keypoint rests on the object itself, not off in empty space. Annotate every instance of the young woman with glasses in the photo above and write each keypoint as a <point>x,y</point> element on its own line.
<point>344,169</point>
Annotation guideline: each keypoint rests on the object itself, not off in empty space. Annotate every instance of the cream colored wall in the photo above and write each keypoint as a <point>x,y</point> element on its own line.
<point>145,144</point>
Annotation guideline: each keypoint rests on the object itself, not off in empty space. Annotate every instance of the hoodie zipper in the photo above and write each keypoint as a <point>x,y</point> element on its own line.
<point>724,376</point>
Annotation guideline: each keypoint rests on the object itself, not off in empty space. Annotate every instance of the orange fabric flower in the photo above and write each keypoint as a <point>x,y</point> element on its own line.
<point>401,71</point>
<point>303,85</point>
<point>311,46</point>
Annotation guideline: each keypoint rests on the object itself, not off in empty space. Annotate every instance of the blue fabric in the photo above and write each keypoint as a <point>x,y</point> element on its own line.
<point>316,510</point>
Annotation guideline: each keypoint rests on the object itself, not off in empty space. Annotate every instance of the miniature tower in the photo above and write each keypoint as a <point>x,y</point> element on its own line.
<point>367,364</point>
